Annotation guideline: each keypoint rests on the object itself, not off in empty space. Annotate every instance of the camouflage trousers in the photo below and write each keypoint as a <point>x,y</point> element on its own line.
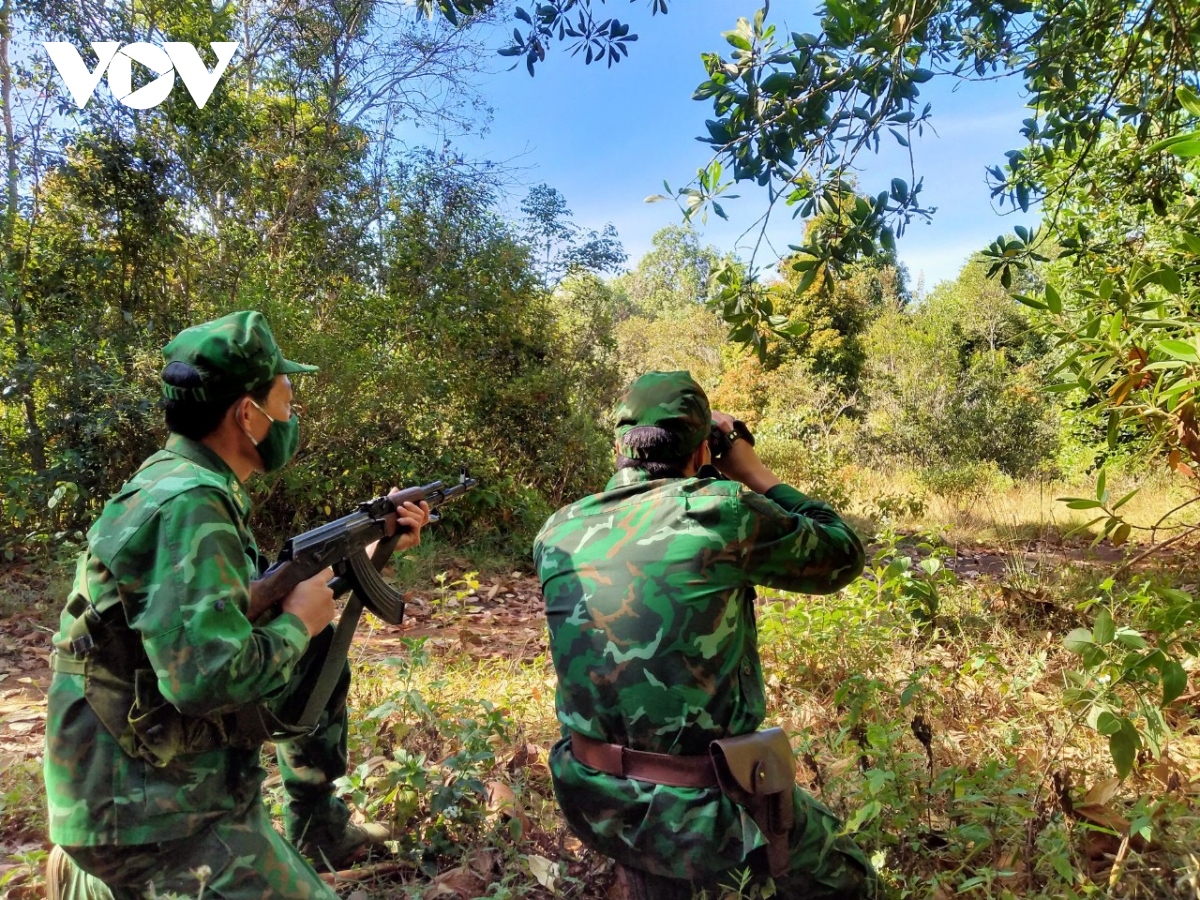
<point>703,837</point>
<point>244,854</point>
<point>240,857</point>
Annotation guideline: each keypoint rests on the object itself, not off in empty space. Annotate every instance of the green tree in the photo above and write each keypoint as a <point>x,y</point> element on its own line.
<point>674,276</point>
<point>954,382</point>
<point>665,323</point>
<point>562,246</point>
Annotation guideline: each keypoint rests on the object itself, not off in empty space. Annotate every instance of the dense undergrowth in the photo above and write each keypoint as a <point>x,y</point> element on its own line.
<point>1025,726</point>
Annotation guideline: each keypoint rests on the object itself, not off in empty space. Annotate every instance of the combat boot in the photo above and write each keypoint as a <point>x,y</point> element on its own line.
<point>354,843</point>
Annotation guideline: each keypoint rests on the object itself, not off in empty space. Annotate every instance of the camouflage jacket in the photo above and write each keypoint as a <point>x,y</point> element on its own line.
<point>650,605</point>
<point>166,569</point>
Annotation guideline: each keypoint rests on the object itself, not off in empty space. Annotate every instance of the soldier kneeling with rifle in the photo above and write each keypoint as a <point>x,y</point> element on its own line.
<point>649,590</point>
<point>173,665</point>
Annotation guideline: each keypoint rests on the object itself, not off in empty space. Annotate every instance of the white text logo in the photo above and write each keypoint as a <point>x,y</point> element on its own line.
<point>171,58</point>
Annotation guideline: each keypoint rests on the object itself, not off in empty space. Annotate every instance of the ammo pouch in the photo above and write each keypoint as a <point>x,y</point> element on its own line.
<point>149,728</point>
<point>757,771</point>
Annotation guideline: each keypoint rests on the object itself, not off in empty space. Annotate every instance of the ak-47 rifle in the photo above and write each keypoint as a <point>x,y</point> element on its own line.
<point>343,544</point>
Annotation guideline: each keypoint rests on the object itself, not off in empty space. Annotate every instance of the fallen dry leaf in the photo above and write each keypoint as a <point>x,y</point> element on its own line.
<point>461,882</point>
<point>1102,792</point>
<point>545,871</point>
<point>502,802</point>
<point>1102,815</point>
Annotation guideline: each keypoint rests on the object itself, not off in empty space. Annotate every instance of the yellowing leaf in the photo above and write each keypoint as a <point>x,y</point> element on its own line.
<point>545,871</point>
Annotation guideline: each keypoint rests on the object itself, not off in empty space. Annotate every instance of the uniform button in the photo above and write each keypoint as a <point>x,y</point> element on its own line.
<point>220,604</point>
<point>747,669</point>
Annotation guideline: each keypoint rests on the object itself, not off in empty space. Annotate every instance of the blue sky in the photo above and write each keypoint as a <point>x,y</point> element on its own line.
<point>607,138</point>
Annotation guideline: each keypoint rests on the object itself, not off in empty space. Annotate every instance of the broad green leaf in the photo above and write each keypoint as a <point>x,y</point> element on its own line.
<point>1168,143</point>
<point>1107,723</point>
<point>1078,640</point>
<point>1174,681</point>
<point>1169,279</point>
<point>1128,637</point>
<point>1179,349</point>
<point>1188,99</point>
<point>1187,149</point>
<point>1082,503</point>
<point>1124,745</point>
<point>1053,301</point>
<point>1103,630</point>
<point>797,328</point>
<point>1121,534</point>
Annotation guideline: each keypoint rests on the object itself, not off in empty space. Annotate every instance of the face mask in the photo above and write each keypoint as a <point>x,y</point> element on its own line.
<point>280,443</point>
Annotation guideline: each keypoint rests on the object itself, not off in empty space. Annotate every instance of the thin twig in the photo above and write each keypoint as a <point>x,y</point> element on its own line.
<point>1125,567</point>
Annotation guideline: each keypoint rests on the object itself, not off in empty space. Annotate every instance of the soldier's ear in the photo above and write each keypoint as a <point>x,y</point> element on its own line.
<point>241,411</point>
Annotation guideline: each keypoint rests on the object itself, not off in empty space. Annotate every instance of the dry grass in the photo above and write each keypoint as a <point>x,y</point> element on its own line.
<point>1005,514</point>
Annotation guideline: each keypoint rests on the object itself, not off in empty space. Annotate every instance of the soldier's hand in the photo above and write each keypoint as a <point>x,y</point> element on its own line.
<point>312,602</point>
<point>741,463</point>
<point>410,519</point>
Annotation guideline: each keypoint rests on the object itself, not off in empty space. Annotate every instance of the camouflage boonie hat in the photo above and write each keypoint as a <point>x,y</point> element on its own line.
<point>232,355</point>
<point>670,401</point>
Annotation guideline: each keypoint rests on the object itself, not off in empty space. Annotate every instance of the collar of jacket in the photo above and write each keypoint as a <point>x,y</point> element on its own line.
<point>627,477</point>
<point>196,452</point>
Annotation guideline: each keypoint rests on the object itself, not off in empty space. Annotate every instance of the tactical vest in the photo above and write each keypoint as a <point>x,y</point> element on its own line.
<point>122,691</point>
<point>121,686</point>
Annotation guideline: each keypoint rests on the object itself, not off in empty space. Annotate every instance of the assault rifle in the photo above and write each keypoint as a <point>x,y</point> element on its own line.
<point>343,544</point>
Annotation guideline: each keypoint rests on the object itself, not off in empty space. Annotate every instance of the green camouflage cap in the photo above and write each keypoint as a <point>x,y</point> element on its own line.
<point>670,401</point>
<point>233,355</point>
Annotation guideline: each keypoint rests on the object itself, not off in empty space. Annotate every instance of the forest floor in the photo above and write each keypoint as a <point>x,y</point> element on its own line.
<point>468,671</point>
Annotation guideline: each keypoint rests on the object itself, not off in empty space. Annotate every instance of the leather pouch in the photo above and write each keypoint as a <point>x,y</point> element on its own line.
<point>757,771</point>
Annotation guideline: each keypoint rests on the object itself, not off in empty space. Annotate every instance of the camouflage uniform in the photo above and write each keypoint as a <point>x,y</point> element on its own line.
<point>650,603</point>
<point>163,586</point>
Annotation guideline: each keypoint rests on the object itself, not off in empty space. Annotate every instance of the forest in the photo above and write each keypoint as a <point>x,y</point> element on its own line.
<point>1006,703</point>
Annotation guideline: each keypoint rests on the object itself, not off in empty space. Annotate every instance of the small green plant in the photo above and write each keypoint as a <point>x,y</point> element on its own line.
<point>913,587</point>
<point>437,807</point>
<point>451,596</point>
<point>1124,681</point>
<point>891,508</point>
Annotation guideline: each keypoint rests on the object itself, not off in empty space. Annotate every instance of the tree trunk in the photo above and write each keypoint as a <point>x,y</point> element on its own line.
<point>8,253</point>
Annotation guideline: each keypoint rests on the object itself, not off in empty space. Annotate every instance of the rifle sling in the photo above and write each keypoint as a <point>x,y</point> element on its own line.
<point>331,668</point>
<point>343,635</point>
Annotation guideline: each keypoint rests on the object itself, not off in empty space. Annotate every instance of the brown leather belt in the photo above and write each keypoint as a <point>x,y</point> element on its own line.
<point>657,768</point>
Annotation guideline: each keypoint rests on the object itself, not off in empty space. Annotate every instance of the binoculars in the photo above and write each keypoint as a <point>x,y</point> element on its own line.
<point>719,442</point>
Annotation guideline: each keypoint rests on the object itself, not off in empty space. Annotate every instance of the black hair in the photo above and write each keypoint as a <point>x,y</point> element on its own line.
<point>650,437</point>
<point>197,419</point>
<point>656,468</point>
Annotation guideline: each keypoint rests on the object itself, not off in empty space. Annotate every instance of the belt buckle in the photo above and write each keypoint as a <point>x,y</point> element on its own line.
<point>83,645</point>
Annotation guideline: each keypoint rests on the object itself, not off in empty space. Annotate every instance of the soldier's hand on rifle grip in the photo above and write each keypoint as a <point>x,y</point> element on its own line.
<point>312,602</point>
<point>410,519</point>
